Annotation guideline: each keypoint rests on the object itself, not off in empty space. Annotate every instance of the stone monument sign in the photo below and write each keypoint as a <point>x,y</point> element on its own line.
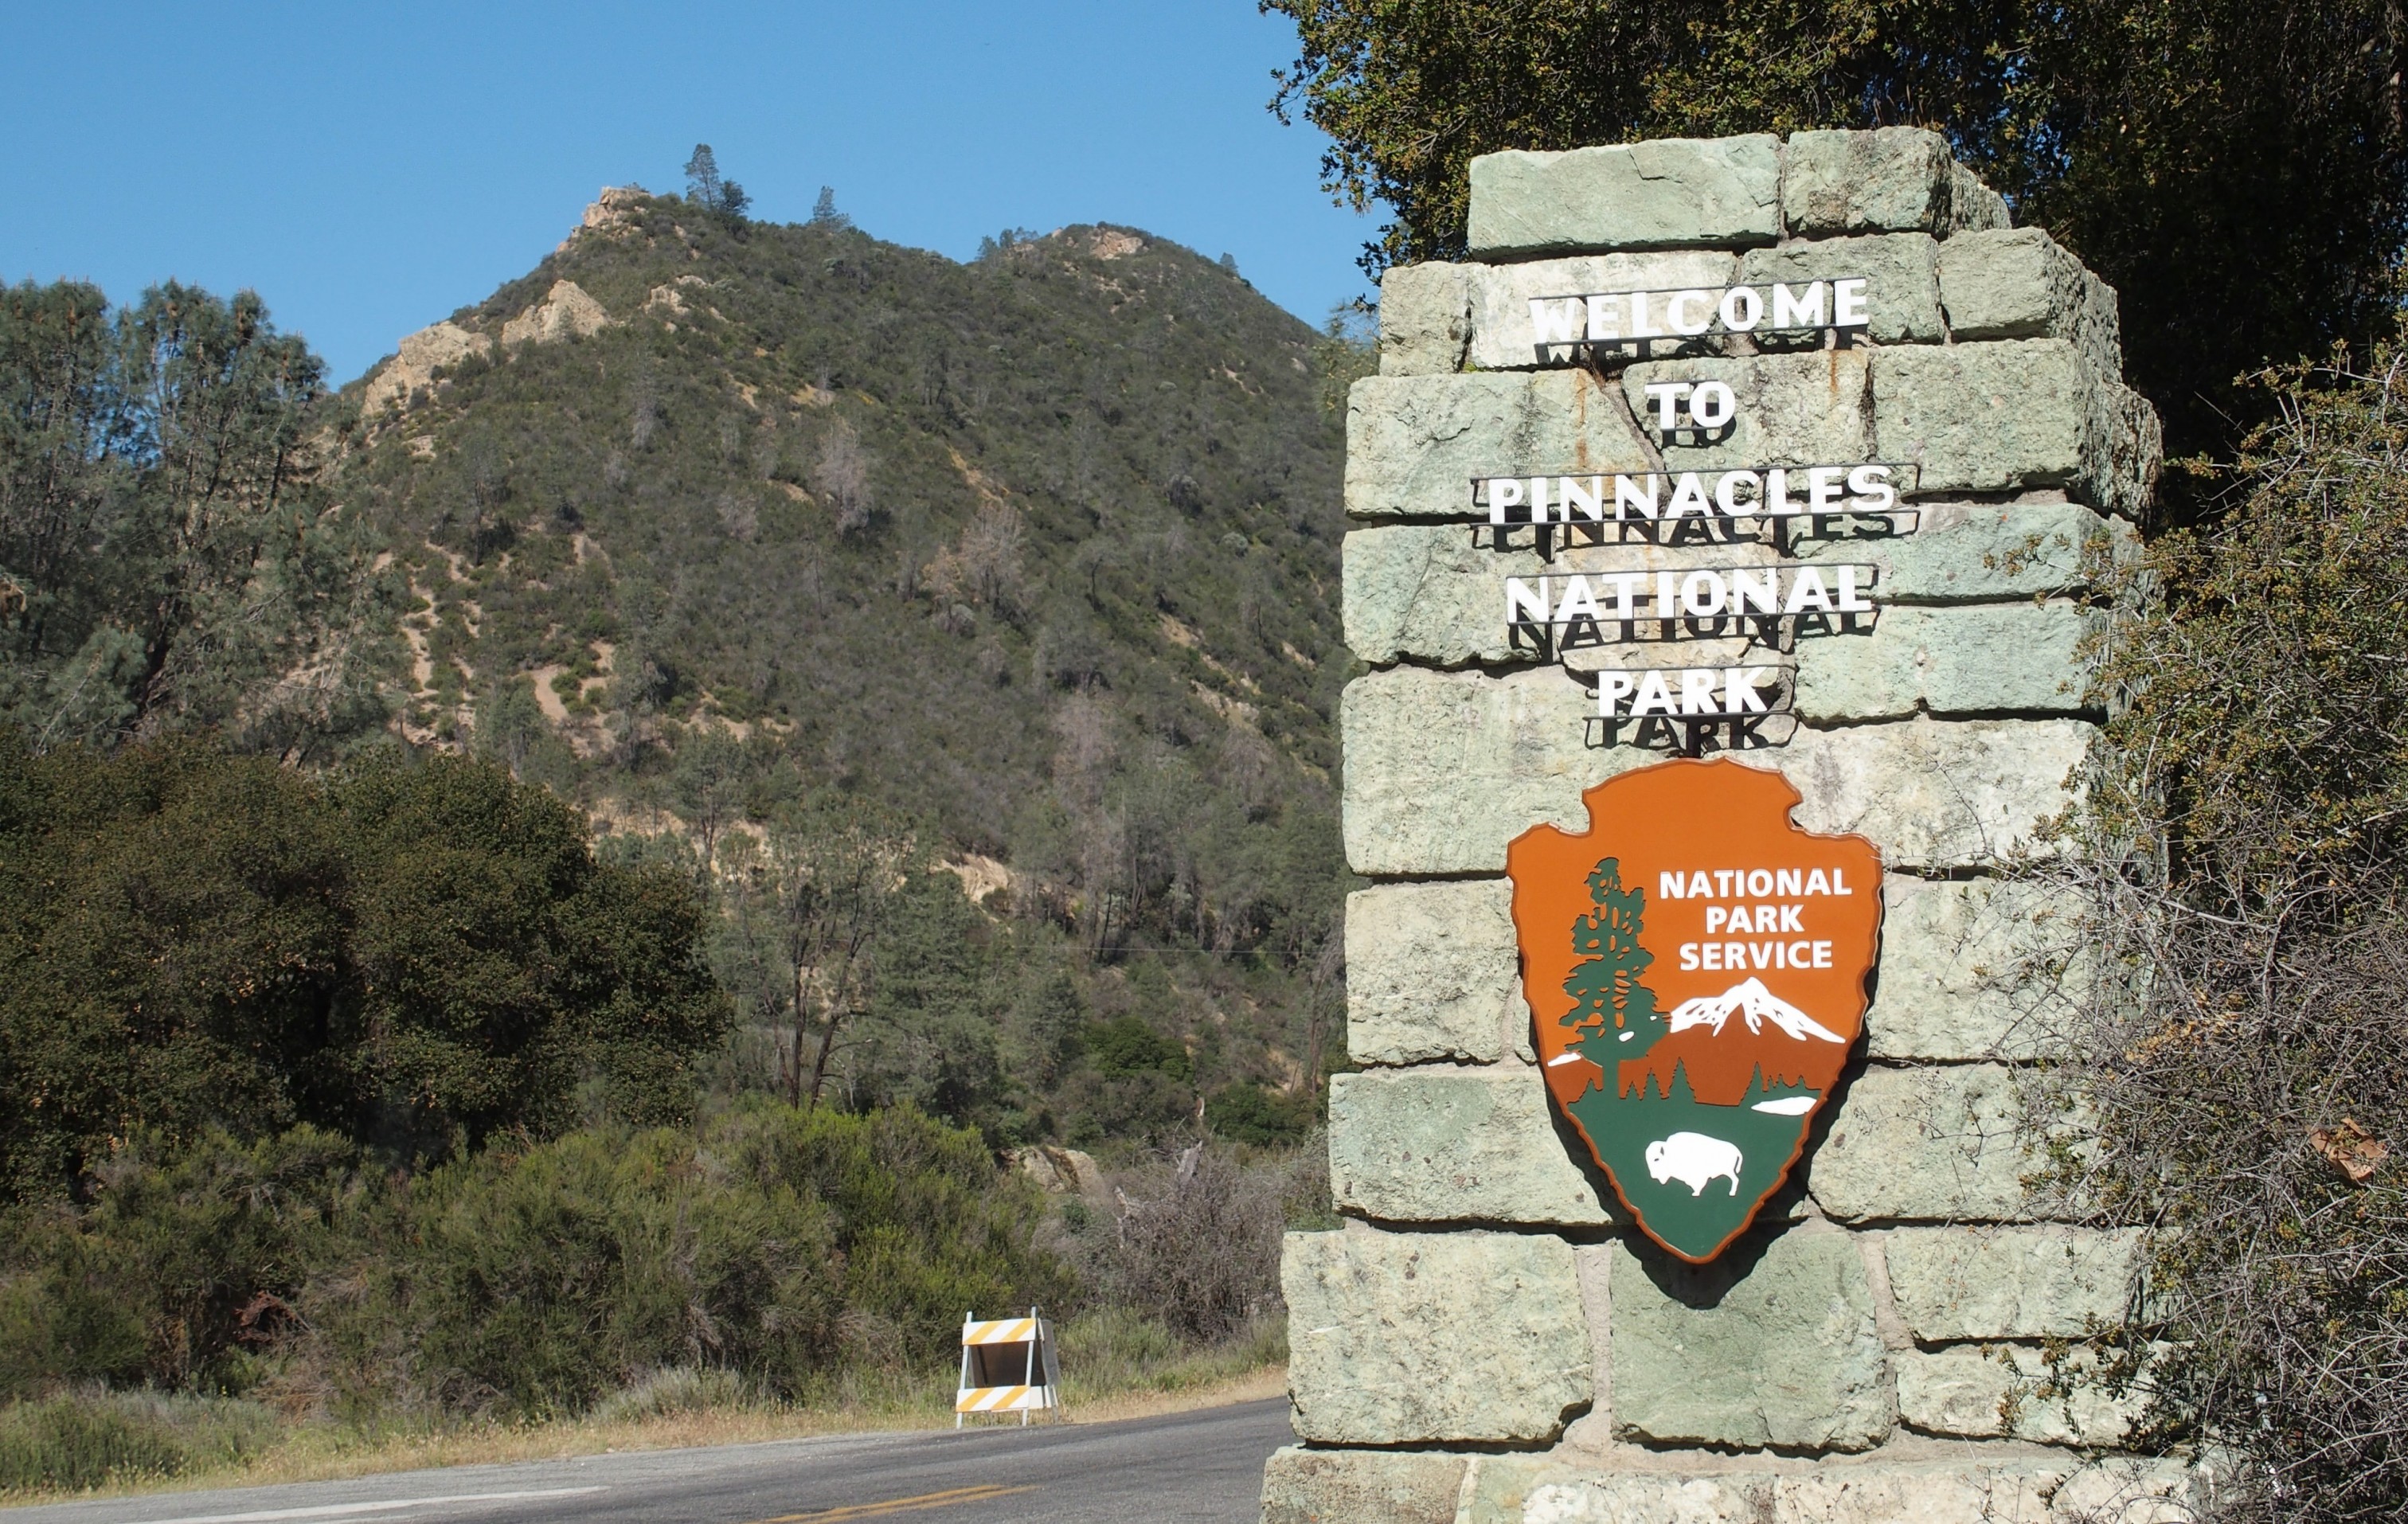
<point>1721,532</point>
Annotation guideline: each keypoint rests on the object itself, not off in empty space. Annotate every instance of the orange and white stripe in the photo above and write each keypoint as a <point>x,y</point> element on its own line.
<point>1003,1399</point>
<point>1001,1330</point>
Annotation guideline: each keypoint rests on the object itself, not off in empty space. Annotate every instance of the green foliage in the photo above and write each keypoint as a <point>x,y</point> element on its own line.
<point>1127,1045</point>
<point>930,1024</point>
<point>2159,142</point>
<point>164,557</point>
<point>80,1440</point>
<point>502,967</point>
<point>776,1245</point>
<point>1259,1116</point>
<point>179,1271</point>
<point>704,188</point>
<point>2245,1053</point>
<point>192,939</point>
<point>804,913</point>
<point>994,546</point>
<point>785,1248</point>
<point>2264,695</point>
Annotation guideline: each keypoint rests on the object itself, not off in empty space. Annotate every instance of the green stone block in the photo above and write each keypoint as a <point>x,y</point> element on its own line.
<point>1436,1144</point>
<point>1433,1338</point>
<point>1782,1352</point>
<point>1722,193</point>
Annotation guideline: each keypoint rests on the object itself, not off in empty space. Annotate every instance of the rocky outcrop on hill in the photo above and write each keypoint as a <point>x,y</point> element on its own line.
<point>439,345</point>
<point>566,312</point>
<point>611,208</point>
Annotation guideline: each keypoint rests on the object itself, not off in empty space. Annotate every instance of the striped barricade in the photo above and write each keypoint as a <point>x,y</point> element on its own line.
<point>1008,1365</point>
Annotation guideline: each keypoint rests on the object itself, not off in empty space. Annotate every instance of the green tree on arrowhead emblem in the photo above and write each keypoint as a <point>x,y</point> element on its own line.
<point>1614,1013</point>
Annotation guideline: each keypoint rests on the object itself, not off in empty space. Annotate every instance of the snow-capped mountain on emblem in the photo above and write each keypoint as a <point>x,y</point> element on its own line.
<point>1758,1004</point>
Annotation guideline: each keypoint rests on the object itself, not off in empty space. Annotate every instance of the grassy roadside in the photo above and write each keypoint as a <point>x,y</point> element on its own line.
<point>1108,1375</point>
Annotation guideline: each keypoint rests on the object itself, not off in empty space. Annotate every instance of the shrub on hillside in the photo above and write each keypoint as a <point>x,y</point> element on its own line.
<point>1260,1116</point>
<point>178,1272</point>
<point>1196,1246</point>
<point>87,1440</point>
<point>2245,1052</point>
<point>778,1245</point>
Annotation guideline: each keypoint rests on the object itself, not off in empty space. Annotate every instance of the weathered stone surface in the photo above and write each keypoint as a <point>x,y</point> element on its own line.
<point>1502,337</point>
<point>1413,443</point>
<point>414,366</point>
<point>1973,207</point>
<point>1794,409</point>
<point>1925,1144</point>
<point>1429,592</point>
<point>2011,1391</point>
<point>1991,417</point>
<point>1964,970</point>
<point>1436,1145</point>
<point>2135,451</point>
<point>1996,417</point>
<point>1968,552</point>
<point>1359,1486</point>
<point>1786,1354</point>
<point>1559,1495</point>
<point>1669,193</point>
<point>1435,593</point>
<point>2134,1491</point>
<point>1989,658</point>
<point>1892,180</point>
<point>1431,972</point>
<point>1059,1170</point>
<point>1901,269</point>
<point>2019,283</point>
<point>1585,661</point>
<point>1432,1338</point>
<point>1987,1489</point>
<point>566,312</point>
<point>1443,768</point>
<point>1425,319</point>
<point>2040,1282</point>
<point>2020,1485</point>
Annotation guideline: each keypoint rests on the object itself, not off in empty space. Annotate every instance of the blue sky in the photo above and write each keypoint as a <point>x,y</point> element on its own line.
<point>368,167</point>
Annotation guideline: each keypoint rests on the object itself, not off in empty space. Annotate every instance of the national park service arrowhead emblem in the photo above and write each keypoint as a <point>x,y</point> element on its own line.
<point>1696,965</point>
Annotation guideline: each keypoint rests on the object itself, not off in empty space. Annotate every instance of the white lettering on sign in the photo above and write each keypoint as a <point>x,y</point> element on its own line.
<point>1773,493</point>
<point>1696,692</point>
<point>1692,404</point>
<point>1704,593</point>
<point>1565,610</point>
<point>1798,309</point>
<point>1734,956</point>
<point>1768,903</point>
<point>1625,317</point>
<point>1752,883</point>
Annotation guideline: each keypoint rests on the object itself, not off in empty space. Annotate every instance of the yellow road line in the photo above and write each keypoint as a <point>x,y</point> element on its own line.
<point>900,1506</point>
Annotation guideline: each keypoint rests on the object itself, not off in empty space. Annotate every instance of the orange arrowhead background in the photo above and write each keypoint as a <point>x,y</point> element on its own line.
<point>1685,817</point>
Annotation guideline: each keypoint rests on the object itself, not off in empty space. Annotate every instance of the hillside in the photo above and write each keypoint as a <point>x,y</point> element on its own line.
<point>1037,555</point>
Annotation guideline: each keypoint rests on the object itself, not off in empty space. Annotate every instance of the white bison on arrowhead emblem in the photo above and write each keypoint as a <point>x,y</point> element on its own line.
<point>1693,1159</point>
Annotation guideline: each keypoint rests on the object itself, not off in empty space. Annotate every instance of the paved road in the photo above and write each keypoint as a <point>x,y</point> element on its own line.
<point>1191,1468</point>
